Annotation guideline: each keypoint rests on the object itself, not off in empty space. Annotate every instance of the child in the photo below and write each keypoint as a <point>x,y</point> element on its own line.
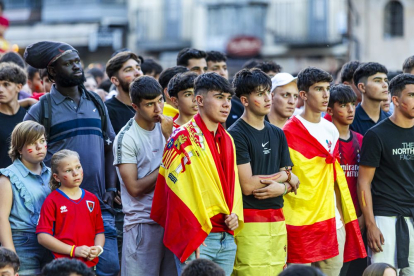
<point>181,91</point>
<point>71,223</point>
<point>9,262</point>
<point>23,189</point>
<point>67,267</point>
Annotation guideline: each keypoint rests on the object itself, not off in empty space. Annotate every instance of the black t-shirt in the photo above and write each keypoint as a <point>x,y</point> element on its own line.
<point>390,149</point>
<point>266,150</point>
<point>119,113</point>
<point>8,122</point>
<point>236,111</point>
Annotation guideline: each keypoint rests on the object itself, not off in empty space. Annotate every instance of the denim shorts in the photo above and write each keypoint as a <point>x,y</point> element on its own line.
<point>32,255</point>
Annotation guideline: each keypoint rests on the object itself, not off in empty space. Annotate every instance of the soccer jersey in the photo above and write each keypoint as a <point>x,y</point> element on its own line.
<point>349,154</point>
<point>74,222</point>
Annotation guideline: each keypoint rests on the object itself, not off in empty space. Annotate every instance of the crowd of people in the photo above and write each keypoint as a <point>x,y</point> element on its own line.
<point>145,171</point>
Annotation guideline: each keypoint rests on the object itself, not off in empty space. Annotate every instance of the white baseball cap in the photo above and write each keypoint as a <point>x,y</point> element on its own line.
<point>281,79</point>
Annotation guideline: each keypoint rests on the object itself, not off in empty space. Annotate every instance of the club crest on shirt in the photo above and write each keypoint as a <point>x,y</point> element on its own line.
<point>329,144</point>
<point>63,209</point>
<point>90,205</point>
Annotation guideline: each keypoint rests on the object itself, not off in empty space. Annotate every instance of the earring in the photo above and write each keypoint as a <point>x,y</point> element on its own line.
<point>59,184</point>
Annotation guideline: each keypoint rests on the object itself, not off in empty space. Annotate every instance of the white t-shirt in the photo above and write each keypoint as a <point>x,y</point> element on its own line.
<point>327,135</point>
<point>135,145</point>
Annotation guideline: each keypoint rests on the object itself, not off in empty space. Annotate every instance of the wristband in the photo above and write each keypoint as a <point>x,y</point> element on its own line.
<point>285,189</point>
<point>111,190</point>
<point>72,251</point>
<point>289,174</point>
<point>100,247</point>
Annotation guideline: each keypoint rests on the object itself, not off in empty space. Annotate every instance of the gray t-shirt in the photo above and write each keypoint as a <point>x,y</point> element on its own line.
<point>134,145</point>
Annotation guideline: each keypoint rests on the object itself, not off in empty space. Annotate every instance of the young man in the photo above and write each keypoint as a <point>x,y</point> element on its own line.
<point>408,65</point>
<point>79,121</point>
<point>12,78</point>
<point>372,81</point>
<point>323,207</point>
<point>151,68</point>
<point>138,153</point>
<point>262,152</point>
<point>269,67</point>
<point>193,59</point>
<point>285,95</point>
<point>122,69</point>
<point>385,185</point>
<point>170,109</point>
<point>181,92</point>
<point>341,108</point>
<point>197,196</point>
<point>216,62</point>
<point>347,76</point>
<point>9,262</point>
<point>47,84</point>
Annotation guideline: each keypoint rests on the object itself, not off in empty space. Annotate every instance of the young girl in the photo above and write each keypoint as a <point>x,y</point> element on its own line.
<point>23,189</point>
<point>70,223</point>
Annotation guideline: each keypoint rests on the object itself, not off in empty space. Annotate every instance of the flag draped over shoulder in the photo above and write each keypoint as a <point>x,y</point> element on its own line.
<point>310,215</point>
<point>193,186</point>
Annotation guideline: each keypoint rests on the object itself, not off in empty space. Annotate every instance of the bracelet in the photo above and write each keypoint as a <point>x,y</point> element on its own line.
<point>72,251</point>
<point>111,190</point>
<point>289,174</point>
<point>100,247</point>
<point>285,189</point>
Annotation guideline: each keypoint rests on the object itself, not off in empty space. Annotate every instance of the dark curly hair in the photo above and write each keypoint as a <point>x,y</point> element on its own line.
<point>311,75</point>
<point>408,65</point>
<point>168,73</point>
<point>215,56</point>
<point>398,83</point>
<point>268,66</point>
<point>247,81</point>
<point>144,88</point>
<point>189,53</point>
<point>202,267</point>
<point>180,82</point>
<point>342,94</point>
<point>368,69</point>
<point>348,69</point>
<point>211,82</point>
<point>12,73</point>
<point>66,267</point>
<point>9,258</point>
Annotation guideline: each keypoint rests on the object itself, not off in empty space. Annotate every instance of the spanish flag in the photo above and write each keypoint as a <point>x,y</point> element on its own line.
<point>198,179</point>
<point>310,215</point>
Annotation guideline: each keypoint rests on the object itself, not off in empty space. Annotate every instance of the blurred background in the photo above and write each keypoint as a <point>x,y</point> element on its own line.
<point>293,33</point>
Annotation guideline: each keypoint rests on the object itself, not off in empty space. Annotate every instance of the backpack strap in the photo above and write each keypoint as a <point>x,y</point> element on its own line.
<point>46,113</point>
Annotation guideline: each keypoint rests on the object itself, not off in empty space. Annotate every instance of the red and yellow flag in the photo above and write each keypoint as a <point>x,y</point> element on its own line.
<point>310,215</point>
<point>198,179</point>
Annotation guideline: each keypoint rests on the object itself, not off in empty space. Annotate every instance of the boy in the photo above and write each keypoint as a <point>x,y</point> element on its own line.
<point>262,152</point>
<point>193,59</point>
<point>9,262</point>
<point>197,196</point>
<point>12,78</point>
<point>285,95</point>
<point>151,68</point>
<point>372,81</point>
<point>216,62</point>
<point>385,184</point>
<point>66,267</point>
<point>323,207</point>
<point>181,91</point>
<point>138,152</point>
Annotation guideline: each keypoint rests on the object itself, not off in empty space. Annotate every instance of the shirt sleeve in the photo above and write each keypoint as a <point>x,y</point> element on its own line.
<point>125,151</point>
<point>285,155</point>
<point>242,149</point>
<point>47,217</point>
<point>33,114</point>
<point>371,150</point>
<point>99,226</point>
<point>109,129</point>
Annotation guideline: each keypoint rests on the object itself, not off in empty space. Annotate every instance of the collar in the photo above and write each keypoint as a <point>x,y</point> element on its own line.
<point>363,116</point>
<point>58,98</point>
<point>25,171</point>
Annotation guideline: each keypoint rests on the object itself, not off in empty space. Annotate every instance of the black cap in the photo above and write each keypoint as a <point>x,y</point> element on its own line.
<point>42,54</point>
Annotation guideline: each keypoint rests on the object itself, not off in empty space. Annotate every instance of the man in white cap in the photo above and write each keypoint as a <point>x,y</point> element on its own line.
<point>285,95</point>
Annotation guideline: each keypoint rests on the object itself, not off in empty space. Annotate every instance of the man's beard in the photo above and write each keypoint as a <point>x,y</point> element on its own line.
<point>71,81</point>
<point>124,85</point>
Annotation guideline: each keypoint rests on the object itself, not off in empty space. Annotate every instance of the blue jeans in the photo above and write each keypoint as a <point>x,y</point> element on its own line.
<point>108,264</point>
<point>220,249</point>
<point>32,255</point>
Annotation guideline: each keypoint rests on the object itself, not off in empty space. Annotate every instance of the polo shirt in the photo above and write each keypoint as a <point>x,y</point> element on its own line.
<point>362,122</point>
<point>78,128</point>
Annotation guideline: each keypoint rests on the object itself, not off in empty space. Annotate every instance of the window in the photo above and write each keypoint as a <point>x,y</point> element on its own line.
<point>394,19</point>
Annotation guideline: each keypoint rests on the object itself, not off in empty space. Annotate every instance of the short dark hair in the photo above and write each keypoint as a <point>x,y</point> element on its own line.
<point>151,66</point>
<point>368,69</point>
<point>12,73</point>
<point>65,267</point>
<point>96,73</point>
<point>268,65</point>
<point>408,65</point>
<point>377,269</point>
<point>342,94</point>
<point>215,56</point>
<point>301,270</point>
<point>348,69</point>
<point>202,267</point>
<point>169,73</point>
<point>247,81</point>
<point>13,57</point>
<point>311,75</point>
<point>189,53</point>
<point>251,63</point>
<point>144,88</point>
<point>398,83</point>
<point>180,82</point>
<point>115,63</point>
<point>212,81</point>
<point>9,258</point>
<point>105,85</point>
<point>31,72</point>
<point>43,73</point>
